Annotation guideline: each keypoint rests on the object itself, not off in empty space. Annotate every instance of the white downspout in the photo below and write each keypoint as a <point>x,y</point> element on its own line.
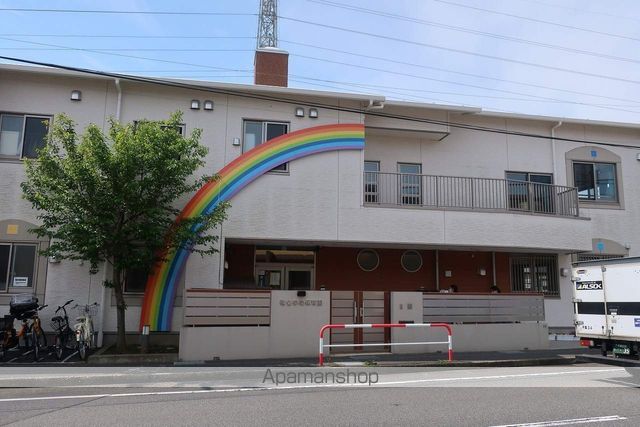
<point>553,150</point>
<point>104,296</point>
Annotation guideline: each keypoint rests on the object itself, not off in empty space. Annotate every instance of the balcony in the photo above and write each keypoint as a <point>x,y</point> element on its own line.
<point>462,193</point>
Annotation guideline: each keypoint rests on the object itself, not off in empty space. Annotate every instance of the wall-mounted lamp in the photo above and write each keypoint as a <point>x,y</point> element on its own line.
<point>76,95</point>
<point>236,141</point>
<point>195,104</point>
<point>482,271</point>
<point>226,265</point>
<point>299,112</point>
<point>564,272</point>
<point>208,105</point>
<point>448,273</point>
<point>313,113</point>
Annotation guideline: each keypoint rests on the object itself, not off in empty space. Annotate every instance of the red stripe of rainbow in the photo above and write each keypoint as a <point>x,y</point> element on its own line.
<point>159,295</point>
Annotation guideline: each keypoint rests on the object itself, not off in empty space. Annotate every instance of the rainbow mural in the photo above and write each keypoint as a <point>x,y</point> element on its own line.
<point>160,290</point>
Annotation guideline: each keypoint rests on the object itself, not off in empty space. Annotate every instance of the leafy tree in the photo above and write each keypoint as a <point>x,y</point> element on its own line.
<point>111,198</point>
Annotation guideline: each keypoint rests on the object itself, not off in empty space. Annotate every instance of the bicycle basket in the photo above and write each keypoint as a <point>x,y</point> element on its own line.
<point>21,304</point>
<point>90,310</point>
<point>55,325</point>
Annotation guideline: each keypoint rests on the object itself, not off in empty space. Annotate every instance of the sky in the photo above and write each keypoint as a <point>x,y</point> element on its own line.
<point>561,58</point>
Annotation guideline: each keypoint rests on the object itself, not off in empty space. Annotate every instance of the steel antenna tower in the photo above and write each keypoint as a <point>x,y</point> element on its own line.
<point>268,24</point>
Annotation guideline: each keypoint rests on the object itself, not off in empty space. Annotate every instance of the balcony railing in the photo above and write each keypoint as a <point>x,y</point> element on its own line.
<point>482,194</point>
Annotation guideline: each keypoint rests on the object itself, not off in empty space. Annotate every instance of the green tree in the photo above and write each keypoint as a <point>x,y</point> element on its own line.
<point>111,198</point>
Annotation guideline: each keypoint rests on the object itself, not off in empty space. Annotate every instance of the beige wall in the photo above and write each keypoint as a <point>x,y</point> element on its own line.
<point>320,199</point>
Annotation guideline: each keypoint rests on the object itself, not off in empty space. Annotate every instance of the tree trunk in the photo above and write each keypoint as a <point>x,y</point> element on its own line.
<point>121,343</point>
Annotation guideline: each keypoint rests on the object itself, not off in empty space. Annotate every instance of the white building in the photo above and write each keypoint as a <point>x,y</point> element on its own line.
<point>428,203</point>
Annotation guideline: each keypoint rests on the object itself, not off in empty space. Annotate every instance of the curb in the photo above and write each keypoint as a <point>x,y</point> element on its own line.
<point>133,359</point>
<point>589,358</point>
<point>549,361</point>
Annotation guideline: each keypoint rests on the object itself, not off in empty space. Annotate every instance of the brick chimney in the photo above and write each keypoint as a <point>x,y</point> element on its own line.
<point>271,67</point>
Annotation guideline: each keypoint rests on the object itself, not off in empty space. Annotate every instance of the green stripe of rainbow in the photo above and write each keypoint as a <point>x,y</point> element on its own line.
<point>157,307</point>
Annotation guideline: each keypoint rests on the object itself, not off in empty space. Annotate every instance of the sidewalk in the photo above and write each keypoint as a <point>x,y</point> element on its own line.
<point>559,353</point>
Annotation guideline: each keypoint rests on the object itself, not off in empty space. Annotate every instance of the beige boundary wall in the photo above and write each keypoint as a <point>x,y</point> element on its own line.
<point>294,327</point>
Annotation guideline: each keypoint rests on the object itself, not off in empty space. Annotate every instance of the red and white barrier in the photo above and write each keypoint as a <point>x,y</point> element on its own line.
<point>449,341</point>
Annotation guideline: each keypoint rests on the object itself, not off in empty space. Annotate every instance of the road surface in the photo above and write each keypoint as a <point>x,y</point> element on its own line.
<point>593,394</point>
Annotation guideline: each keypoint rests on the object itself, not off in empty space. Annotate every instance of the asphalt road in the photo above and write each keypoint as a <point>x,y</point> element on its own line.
<point>553,395</point>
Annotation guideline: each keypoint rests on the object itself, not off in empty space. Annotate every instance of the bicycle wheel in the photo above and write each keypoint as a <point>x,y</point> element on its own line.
<point>39,342</point>
<point>58,346</point>
<point>82,346</point>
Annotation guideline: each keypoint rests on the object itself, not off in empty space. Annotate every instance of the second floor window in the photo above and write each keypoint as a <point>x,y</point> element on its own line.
<point>371,181</point>
<point>410,183</point>
<point>22,135</point>
<point>259,132</point>
<point>595,181</point>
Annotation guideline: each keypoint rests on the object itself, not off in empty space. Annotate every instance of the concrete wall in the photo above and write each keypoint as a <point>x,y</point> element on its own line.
<point>294,332</point>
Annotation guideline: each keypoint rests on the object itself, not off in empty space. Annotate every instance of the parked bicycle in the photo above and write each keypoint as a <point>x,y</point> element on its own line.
<point>25,308</point>
<point>65,336</point>
<point>85,335</point>
<point>9,336</point>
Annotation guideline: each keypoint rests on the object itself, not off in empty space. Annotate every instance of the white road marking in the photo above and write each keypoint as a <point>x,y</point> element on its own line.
<point>497,377</point>
<point>293,387</point>
<point>573,421</point>
<point>69,356</point>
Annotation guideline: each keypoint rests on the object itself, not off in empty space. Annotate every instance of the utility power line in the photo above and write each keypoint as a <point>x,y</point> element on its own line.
<point>540,21</point>
<point>472,31</point>
<point>109,52</point>
<point>117,36</point>
<point>464,52</point>
<point>364,67</point>
<point>429,67</point>
<point>124,12</point>
<point>120,54</point>
<point>294,101</point>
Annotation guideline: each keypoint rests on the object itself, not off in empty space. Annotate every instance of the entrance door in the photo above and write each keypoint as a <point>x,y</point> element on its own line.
<point>285,277</point>
<point>350,307</point>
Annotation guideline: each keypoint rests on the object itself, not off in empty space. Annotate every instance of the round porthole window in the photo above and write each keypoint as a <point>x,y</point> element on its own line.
<point>411,261</point>
<point>368,259</point>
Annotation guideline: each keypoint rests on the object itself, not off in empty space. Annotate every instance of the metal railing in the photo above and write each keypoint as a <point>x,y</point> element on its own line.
<point>490,194</point>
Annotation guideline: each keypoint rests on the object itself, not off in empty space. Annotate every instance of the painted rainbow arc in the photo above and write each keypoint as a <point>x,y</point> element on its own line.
<point>159,295</point>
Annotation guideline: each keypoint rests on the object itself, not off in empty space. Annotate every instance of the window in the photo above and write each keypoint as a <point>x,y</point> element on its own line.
<point>410,183</point>
<point>135,281</point>
<point>596,181</point>
<point>535,273</point>
<point>531,192</point>
<point>411,261</point>
<point>371,181</point>
<point>259,132</point>
<point>22,135</point>
<point>368,259</point>
<point>17,265</point>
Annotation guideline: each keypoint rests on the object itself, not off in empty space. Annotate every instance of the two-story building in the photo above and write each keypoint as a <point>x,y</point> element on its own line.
<point>363,197</point>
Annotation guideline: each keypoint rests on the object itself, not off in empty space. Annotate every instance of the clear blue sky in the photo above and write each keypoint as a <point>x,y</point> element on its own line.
<point>461,65</point>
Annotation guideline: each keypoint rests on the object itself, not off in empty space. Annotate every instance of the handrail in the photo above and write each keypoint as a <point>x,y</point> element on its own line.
<point>469,193</point>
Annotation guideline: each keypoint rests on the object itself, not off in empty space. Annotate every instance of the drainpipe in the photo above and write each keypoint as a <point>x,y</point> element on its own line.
<point>553,148</point>
<point>493,268</point>
<point>104,298</point>
<point>119,102</point>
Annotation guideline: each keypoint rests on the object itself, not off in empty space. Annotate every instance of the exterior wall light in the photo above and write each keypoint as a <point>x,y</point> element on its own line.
<point>76,95</point>
<point>195,104</point>
<point>208,105</point>
<point>299,112</point>
<point>236,141</point>
<point>313,113</point>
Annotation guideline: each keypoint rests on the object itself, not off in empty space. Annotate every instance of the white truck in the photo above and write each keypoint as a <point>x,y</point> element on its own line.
<point>606,301</point>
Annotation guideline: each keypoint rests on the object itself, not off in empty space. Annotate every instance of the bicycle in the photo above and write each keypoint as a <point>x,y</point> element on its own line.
<point>64,334</point>
<point>84,329</point>
<point>9,336</point>
<point>25,308</point>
